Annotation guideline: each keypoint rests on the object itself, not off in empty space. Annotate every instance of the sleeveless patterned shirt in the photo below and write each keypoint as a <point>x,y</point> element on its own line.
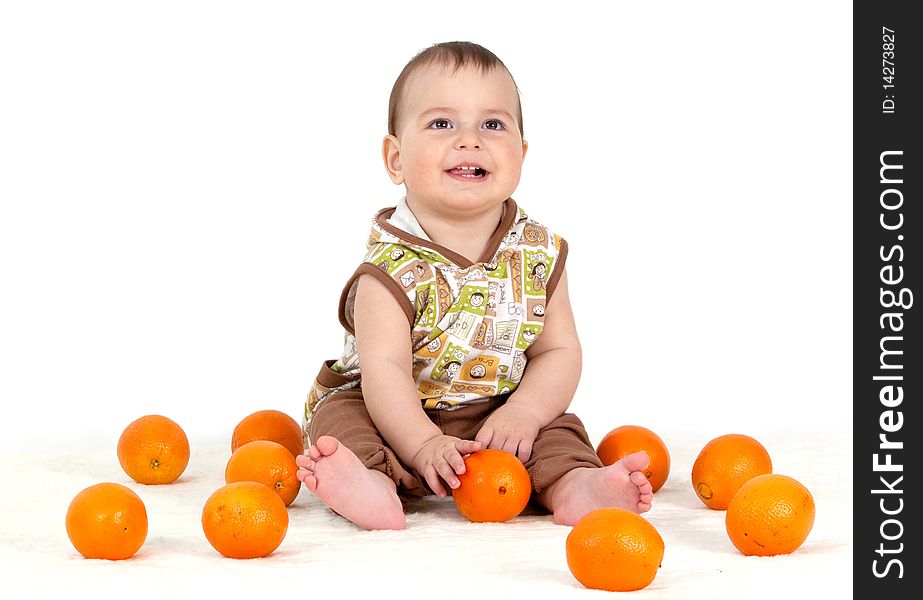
<point>471,322</point>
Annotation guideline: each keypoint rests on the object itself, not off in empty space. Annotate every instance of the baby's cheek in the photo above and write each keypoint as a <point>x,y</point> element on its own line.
<point>420,174</point>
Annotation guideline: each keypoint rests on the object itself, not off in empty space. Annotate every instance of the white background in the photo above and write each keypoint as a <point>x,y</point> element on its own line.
<point>170,172</point>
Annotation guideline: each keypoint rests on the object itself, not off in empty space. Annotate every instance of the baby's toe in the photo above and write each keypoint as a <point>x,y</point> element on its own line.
<point>638,478</point>
<point>310,481</point>
<point>643,507</point>
<point>637,461</point>
<point>326,445</point>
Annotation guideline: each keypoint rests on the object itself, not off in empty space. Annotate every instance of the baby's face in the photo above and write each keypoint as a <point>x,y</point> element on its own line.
<point>454,120</point>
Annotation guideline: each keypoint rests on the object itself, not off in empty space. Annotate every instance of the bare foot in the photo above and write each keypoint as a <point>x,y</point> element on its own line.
<point>366,497</point>
<point>621,484</point>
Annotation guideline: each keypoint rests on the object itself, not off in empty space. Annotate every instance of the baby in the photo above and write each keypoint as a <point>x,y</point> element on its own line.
<point>460,318</point>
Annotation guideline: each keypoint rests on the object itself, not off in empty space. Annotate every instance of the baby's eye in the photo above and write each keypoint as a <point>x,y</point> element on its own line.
<point>494,124</point>
<point>440,124</point>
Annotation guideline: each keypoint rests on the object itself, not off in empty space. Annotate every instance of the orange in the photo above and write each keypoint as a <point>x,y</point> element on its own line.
<point>268,463</point>
<point>269,425</point>
<point>770,515</point>
<point>153,449</point>
<point>244,520</point>
<point>614,549</point>
<point>726,463</point>
<point>628,439</point>
<point>107,520</point>
<point>495,487</point>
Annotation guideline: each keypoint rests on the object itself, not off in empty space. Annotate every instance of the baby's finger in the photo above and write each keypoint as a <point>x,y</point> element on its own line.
<point>497,441</point>
<point>525,450</point>
<point>484,435</point>
<point>467,446</point>
<point>455,461</point>
<point>432,479</point>
<point>446,472</point>
<point>510,445</point>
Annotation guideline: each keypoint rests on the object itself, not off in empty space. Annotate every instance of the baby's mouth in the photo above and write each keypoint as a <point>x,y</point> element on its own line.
<point>468,172</point>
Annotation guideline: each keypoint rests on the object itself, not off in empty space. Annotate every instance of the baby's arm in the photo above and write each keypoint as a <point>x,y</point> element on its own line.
<point>385,357</point>
<point>547,386</point>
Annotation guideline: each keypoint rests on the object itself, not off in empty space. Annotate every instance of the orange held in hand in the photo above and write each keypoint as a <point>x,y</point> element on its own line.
<point>269,425</point>
<point>153,449</point>
<point>495,487</point>
<point>726,463</point>
<point>245,520</point>
<point>614,549</point>
<point>107,520</point>
<point>770,515</point>
<point>268,463</point>
<point>629,439</point>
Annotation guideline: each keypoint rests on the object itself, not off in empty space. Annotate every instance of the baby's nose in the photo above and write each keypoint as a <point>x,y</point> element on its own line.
<point>468,139</point>
<point>468,145</point>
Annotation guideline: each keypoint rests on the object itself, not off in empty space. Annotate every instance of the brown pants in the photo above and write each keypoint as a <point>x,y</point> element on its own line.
<point>560,446</point>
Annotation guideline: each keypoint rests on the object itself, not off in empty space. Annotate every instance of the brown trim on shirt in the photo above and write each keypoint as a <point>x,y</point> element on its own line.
<point>393,286</point>
<point>510,214</point>
<point>329,378</point>
<point>558,271</point>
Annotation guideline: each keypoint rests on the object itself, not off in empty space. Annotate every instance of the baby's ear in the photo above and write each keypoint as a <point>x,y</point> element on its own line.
<point>391,154</point>
<point>525,147</point>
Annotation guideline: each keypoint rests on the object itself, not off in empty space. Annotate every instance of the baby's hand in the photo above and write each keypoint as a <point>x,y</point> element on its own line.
<point>442,456</point>
<point>511,428</point>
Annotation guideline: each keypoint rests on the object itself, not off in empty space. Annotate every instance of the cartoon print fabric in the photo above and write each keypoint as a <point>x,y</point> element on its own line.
<point>471,323</point>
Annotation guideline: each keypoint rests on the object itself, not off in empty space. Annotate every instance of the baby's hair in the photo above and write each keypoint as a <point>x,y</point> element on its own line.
<point>449,54</point>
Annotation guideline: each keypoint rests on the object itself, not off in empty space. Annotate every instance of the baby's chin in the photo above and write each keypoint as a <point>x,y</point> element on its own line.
<point>462,201</point>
